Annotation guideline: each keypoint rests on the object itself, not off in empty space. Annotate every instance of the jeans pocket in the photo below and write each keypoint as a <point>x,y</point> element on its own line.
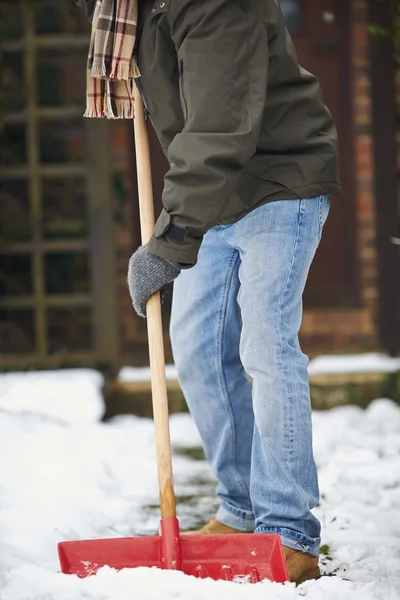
<point>323,212</point>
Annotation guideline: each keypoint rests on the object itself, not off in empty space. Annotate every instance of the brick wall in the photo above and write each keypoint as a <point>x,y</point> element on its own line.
<point>366,217</point>
<point>355,329</point>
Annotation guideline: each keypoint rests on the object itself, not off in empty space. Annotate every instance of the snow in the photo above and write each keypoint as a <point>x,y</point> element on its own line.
<point>71,395</point>
<point>128,374</point>
<point>322,365</point>
<point>66,475</point>
<point>357,363</point>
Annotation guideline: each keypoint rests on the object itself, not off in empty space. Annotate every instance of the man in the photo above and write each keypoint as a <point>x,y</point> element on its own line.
<point>253,161</point>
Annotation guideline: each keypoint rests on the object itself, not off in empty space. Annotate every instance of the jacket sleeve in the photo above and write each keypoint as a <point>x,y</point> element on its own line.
<point>88,6</point>
<point>222,53</point>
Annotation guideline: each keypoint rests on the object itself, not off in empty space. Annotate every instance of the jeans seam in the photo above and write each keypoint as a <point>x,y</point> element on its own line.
<point>237,512</point>
<point>319,218</point>
<point>320,223</point>
<point>287,419</point>
<point>221,375</point>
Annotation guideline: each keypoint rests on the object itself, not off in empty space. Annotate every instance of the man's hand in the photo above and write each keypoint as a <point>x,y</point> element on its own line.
<point>148,274</point>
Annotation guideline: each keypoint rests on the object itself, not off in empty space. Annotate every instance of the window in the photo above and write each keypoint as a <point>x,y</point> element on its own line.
<point>47,250</point>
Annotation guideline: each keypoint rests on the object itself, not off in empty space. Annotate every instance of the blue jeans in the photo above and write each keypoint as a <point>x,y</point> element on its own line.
<point>237,314</point>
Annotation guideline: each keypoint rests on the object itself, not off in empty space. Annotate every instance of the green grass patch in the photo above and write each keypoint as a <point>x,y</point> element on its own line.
<point>325,554</point>
<point>194,453</point>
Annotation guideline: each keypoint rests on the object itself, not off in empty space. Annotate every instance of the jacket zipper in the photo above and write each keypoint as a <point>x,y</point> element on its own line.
<point>140,88</point>
<point>183,90</point>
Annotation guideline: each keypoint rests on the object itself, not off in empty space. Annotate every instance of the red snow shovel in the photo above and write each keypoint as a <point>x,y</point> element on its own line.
<point>241,557</point>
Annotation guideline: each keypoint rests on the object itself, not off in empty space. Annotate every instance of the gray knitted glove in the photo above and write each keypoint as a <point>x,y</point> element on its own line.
<point>148,274</point>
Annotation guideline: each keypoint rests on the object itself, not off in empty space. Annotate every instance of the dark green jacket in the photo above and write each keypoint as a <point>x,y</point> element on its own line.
<point>239,121</point>
<point>88,5</point>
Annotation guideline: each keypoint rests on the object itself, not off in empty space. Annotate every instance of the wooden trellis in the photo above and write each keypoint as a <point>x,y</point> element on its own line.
<point>57,250</point>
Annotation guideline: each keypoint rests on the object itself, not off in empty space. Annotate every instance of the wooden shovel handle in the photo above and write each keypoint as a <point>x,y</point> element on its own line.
<point>154,323</point>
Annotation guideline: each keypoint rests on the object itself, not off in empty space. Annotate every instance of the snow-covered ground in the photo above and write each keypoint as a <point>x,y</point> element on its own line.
<point>65,475</point>
<point>322,365</point>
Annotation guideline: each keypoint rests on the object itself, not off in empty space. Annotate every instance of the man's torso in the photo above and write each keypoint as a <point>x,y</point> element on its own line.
<point>296,154</point>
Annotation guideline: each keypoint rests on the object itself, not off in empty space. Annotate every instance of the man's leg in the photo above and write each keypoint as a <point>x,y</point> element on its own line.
<point>205,335</point>
<point>277,243</point>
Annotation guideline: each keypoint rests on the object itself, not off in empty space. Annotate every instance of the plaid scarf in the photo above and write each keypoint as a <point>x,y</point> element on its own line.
<point>111,65</point>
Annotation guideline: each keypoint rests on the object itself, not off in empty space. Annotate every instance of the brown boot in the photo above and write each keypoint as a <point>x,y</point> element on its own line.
<point>301,566</point>
<point>213,527</point>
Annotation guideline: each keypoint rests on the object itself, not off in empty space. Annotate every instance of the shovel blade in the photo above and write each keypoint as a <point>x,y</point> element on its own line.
<point>86,557</point>
<point>244,558</point>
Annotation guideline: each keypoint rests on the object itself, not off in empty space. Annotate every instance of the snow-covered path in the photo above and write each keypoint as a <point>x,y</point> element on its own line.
<point>65,475</point>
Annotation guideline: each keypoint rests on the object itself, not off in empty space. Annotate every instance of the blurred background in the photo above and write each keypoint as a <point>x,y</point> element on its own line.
<point>68,200</point>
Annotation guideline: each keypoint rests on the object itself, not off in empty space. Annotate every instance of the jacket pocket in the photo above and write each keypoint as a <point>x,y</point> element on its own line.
<point>183,93</point>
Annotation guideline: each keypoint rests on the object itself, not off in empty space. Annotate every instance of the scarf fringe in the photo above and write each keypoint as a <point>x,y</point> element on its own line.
<point>98,69</point>
<point>92,112</point>
<point>125,110</point>
<point>110,79</point>
<point>119,72</point>
<point>122,72</point>
<point>109,107</point>
<point>135,73</point>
